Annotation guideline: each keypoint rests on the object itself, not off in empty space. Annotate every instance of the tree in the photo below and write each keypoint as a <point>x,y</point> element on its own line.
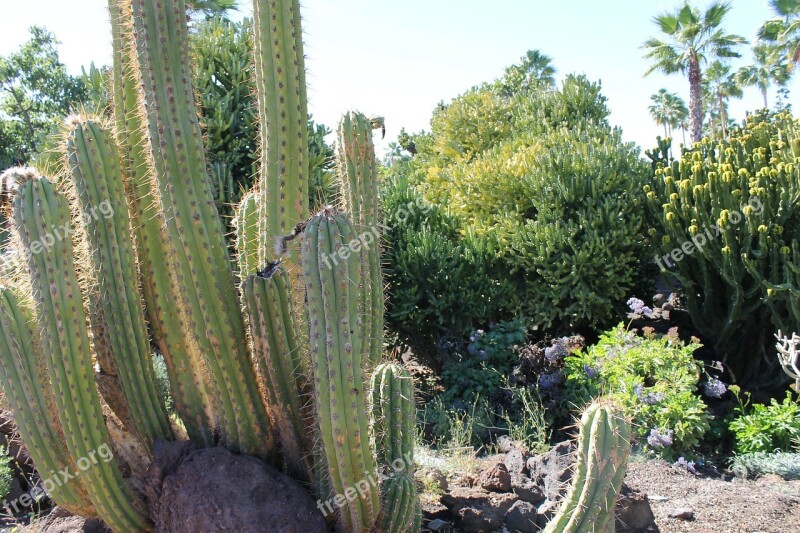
<point>669,110</point>
<point>771,66</point>
<point>783,30</point>
<point>534,70</point>
<point>211,8</point>
<point>718,87</point>
<point>692,39</point>
<point>36,93</point>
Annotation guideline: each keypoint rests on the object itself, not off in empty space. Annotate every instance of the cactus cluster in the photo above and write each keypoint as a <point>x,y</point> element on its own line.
<point>727,219</point>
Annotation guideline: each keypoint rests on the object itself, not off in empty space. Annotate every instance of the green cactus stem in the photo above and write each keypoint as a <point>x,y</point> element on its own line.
<point>189,380</point>
<point>280,358</point>
<point>337,355</point>
<point>94,162</point>
<point>247,236</point>
<point>283,120</point>
<point>31,400</point>
<point>603,450</point>
<point>358,174</point>
<point>393,417</point>
<point>42,218</point>
<point>200,272</point>
<point>402,511</point>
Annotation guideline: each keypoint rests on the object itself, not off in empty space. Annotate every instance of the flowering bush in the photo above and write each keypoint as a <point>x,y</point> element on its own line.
<point>655,378</point>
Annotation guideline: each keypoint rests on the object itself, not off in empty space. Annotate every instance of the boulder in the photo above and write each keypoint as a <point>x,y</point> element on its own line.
<point>553,470</point>
<point>521,518</point>
<point>475,510</point>
<point>495,479</point>
<point>633,512</point>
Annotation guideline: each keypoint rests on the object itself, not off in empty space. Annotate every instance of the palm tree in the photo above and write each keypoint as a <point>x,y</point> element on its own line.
<point>719,86</point>
<point>784,29</point>
<point>210,7</point>
<point>692,39</point>
<point>770,67</point>
<point>669,110</point>
<point>534,69</point>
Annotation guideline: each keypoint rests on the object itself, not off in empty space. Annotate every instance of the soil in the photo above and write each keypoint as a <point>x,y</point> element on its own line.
<point>721,504</point>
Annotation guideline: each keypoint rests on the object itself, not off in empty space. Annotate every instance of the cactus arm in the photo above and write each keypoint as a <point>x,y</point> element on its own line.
<point>29,400</point>
<point>247,235</point>
<point>188,378</point>
<point>94,162</point>
<point>401,505</point>
<point>201,276</point>
<point>40,212</point>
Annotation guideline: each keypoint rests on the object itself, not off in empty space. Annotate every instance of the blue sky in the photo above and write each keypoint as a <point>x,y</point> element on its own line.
<point>399,59</point>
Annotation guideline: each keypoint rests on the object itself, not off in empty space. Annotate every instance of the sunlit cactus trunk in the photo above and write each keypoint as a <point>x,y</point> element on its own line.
<point>201,277</point>
<point>189,380</point>
<point>42,217</point>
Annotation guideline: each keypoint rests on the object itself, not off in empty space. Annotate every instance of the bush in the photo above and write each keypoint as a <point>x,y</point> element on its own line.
<point>6,473</point>
<point>728,222</point>
<point>750,465</point>
<point>767,428</point>
<point>654,378</point>
<point>547,192</point>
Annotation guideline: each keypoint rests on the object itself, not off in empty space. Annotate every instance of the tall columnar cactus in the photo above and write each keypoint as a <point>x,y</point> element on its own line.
<point>283,120</point>
<point>281,360</point>
<point>94,162</point>
<point>247,235</point>
<point>603,450</point>
<point>42,218</point>
<point>200,272</point>
<point>30,396</point>
<point>393,419</point>
<point>338,358</point>
<point>189,380</point>
<point>358,173</point>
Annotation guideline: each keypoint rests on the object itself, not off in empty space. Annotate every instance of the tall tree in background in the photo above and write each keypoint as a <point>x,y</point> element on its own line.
<point>211,8</point>
<point>719,86</point>
<point>36,93</point>
<point>784,30</point>
<point>770,67</point>
<point>535,69</point>
<point>668,110</point>
<point>692,39</point>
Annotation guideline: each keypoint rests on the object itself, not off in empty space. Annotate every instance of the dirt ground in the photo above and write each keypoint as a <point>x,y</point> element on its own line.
<point>768,505</point>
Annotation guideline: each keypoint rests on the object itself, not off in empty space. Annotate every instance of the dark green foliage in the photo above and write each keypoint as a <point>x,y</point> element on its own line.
<point>767,428</point>
<point>727,219</point>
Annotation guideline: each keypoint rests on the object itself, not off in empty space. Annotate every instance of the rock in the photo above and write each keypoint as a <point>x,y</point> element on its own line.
<point>545,512</point>
<point>659,299</point>
<point>521,518</point>
<point>515,462</point>
<point>526,490</point>
<point>475,510</point>
<point>438,525</point>
<point>60,521</point>
<point>435,476</point>
<point>552,471</point>
<point>683,513</point>
<point>432,510</point>
<point>214,490</point>
<point>466,480</point>
<point>504,444</point>
<point>633,512</point>
<point>496,479</point>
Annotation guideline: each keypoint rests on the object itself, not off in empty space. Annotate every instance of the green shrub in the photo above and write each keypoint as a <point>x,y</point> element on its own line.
<point>728,221</point>
<point>767,428</point>
<point>654,378</point>
<point>6,473</point>
<point>751,465</point>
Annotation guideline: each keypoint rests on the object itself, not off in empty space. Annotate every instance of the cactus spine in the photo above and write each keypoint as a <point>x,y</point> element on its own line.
<point>603,449</point>
<point>201,277</point>
<point>94,162</point>
<point>30,398</point>
<point>273,332</point>
<point>283,120</point>
<point>338,356</point>
<point>393,417</point>
<point>359,183</point>
<point>41,216</point>
<point>188,377</point>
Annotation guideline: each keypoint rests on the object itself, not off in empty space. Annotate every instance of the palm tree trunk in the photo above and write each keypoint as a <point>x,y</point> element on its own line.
<point>695,99</point>
<point>722,118</point>
<point>764,94</point>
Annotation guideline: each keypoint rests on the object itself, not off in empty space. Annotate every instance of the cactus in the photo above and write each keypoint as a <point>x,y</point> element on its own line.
<point>603,450</point>
<point>247,236</point>
<point>280,358</point>
<point>393,418</point>
<point>402,511</point>
<point>283,120</point>
<point>338,357</point>
<point>30,397</point>
<point>95,166</point>
<point>200,274</point>
<point>189,379</point>
<point>359,183</point>
<point>41,216</point>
